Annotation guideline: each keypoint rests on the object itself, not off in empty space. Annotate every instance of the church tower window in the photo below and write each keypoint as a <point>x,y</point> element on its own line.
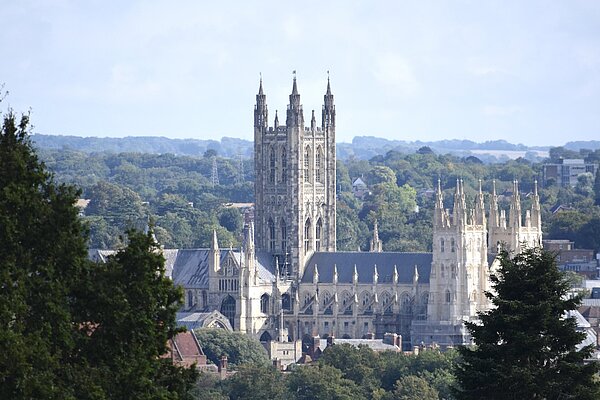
<point>272,159</point>
<point>307,235</point>
<point>442,245</point>
<point>448,296</point>
<point>452,245</point>
<point>271,235</point>
<point>283,164</point>
<point>319,228</point>
<point>307,164</point>
<point>318,166</point>
<point>283,228</point>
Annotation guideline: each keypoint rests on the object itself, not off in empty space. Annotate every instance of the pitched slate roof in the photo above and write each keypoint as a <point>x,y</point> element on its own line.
<point>189,267</point>
<point>365,264</point>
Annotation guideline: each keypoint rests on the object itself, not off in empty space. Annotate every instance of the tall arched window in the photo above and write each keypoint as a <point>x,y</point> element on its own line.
<point>319,228</point>
<point>264,303</point>
<point>272,158</point>
<point>307,235</point>
<point>283,164</point>
<point>448,296</point>
<point>318,166</point>
<point>452,245</point>
<point>286,302</point>
<point>442,245</point>
<point>228,309</point>
<point>283,230</point>
<point>307,164</point>
<point>271,235</point>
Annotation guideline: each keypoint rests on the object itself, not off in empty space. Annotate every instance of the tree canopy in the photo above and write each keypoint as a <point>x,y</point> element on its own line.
<point>526,346</point>
<point>69,328</point>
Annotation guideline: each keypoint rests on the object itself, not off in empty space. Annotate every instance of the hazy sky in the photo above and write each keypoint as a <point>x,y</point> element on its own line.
<point>523,71</point>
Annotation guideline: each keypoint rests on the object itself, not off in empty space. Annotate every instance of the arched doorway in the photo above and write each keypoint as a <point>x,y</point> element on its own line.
<point>228,309</point>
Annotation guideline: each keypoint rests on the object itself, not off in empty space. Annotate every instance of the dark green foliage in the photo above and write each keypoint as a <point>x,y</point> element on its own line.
<point>256,382</point>
<point>70,329</point>
<point>412,387</point>
<point>238,347</point>
<point>42,258</point>
<point>322,382</point>
<point>130,317</point>
<point>526,349</point>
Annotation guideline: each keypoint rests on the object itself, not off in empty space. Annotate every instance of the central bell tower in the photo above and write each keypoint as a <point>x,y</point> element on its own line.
<point>295,182</point>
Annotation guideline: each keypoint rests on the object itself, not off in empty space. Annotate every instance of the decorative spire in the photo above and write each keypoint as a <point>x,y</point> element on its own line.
<point>294,87</point>
<point>276,120</point>
<point>260,87</point>
<point>416,275</point>
<point>376,245</point>
<point>316,275</point>
<point>335,274</point>
<point>395,275</point>
<point>313,121</point>
<point>355,275</point>
<point>328,114</point>
<point>375,275</point>
<point>214,244</point>
<point>328,93</point>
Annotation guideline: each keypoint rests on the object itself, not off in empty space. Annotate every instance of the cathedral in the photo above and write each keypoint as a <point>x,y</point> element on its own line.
<point>288,282</point>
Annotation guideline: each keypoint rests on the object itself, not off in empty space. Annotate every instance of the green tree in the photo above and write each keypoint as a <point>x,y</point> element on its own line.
<point>412,387</point>
<point>42,258</point>
<point>130,316</point>
<point>256,382</point>
<point>525,347</point>
<point>322,383</point>
<point>238,347</point>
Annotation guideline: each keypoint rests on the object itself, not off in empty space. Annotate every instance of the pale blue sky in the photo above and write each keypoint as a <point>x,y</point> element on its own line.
<point>523,71</point>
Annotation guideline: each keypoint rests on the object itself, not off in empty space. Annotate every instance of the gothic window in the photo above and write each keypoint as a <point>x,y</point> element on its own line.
<point>406,303</point>
<point>283,230</point>
<point>307,164</point>
<point>326,298</point>
<point>264,303</point>
<point>272,158</point>
<point>318,166</point>
<point>307,298</point>
<point>442,245</point>
<point>228,309</point>
<point>190,299</point>
<point>286,302</point>
<point>271,235</point>
<point>307,236</point>
<point>319,228</point>
<point>283,164</point>
<point>448,295</point>
<point>452,245</point>
<point>365,298</point>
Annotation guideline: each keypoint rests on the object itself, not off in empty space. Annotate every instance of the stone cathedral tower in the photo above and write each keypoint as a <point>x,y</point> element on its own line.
<point>295,183</point>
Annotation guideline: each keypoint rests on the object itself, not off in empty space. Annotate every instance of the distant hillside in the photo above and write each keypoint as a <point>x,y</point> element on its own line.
<point>227,147</point>
<point>362,147</point>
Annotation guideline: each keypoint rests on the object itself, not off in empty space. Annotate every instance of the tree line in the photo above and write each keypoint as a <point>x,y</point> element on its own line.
<point>177,195</point>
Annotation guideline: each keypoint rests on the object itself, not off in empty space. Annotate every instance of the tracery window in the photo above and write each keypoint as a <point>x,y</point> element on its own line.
<point>272,159</point>
<point>318,166</point>
<point>283,165</point>
<point>319,228</point>
<point>271,235</point>
<point>307,164</point>
<point>283,229</point>
<point>307,235</point>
